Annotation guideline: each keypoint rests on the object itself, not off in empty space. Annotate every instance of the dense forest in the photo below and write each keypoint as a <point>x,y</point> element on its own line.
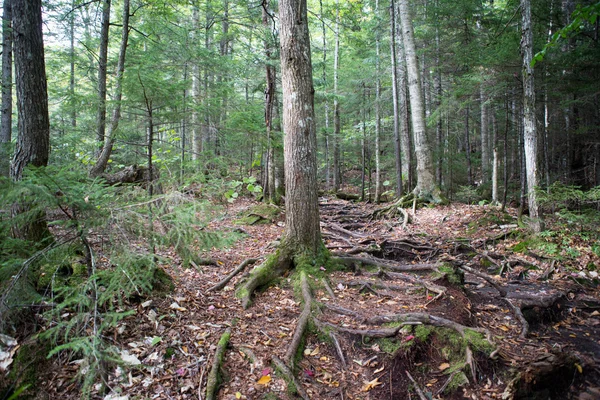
<point>417,185</point>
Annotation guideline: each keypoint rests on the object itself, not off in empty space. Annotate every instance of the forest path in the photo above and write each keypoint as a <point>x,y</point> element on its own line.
<point>175,337</point>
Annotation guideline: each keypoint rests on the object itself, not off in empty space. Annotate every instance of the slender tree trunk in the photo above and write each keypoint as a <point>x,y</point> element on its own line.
<point>426,186</point>
<point>529,123</point>
<point>6,120</point>
<point>196,126</point>
<point>102,65</point>
<point>437,85</point>
<point>33,140</point>
<point>110,137</point>
<point>337,173</point>
<point>494,158</point>
<point>468,149</point>
<point>378,183</point>
<point>396,106</point>
<point>325,102</point>
<point>302,208</point>
<point>72,62</point>
<point>485,156</point>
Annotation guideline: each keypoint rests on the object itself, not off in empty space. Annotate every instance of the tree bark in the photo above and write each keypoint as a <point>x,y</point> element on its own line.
<point>468,149</point>
<point>300,145</point>
<point>196,128</point>
<point>395,100</point>
<point>485,155</point>
<point>426,186</point>
<point>378,183</point>
<point>102,65</point>
<point>337,173</point>
<point>6,119</point>
<point>529,122</point>
<point>109,139</point>
<point>33,141</point>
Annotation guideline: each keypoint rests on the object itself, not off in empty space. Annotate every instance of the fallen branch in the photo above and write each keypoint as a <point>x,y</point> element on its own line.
<point>221,284</point>
<point>212,381</point>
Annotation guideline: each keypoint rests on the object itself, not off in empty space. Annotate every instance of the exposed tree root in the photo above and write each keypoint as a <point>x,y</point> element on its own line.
<point>391,210</point>
<point>373,262</point>
<point>302,322</point>
<point>221,284</point>
<point>288,375</point>
<point>439,290</point>
<point>212,381</point>
<point>417,388</point>
<point>485,277</point>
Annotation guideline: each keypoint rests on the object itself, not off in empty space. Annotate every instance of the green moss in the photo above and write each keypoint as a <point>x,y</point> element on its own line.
<point>28,361</point>
<point>452,274</point>
<point>478,342</point>
<point>262,213</point>
<point>458,380</point>
<point>389,345</point>
<point>422,332</point>
<point>162,282</point>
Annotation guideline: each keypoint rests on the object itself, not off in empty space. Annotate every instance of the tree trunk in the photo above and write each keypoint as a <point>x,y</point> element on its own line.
<point>72,64</point>
<point>468,149</point>
<point>426,186</point>
<point>485,156</point>
<point>396,105</point>
<point>405,137</point>
<point>302,209</point>
<point>529,123</point>
<point>110,137</point>
<point>378,183</point>
<point>102,65</point>
<point>6,120</point>
<point>494,158</point>
<point>33,140</point>
<point>196,126</point>
<point>337,173</point>
<point>437,85</point>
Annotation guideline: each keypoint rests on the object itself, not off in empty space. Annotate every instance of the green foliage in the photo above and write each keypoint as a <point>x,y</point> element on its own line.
<point>91,292</point>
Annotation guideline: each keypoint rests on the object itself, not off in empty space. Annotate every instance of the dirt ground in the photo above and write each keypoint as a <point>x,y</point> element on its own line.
<point>174,338</point>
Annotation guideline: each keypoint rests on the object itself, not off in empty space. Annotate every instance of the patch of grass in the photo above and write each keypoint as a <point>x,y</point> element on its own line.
<point>422,332</point>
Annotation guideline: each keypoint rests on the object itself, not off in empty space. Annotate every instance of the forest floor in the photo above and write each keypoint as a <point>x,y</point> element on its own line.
<point>173,338</point>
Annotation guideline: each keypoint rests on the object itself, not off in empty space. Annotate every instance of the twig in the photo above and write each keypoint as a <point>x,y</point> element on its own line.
<point>221,284</point>
<point>519,314</point>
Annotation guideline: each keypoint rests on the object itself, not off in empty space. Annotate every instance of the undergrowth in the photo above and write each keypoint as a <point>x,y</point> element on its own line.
<point>104,255</point>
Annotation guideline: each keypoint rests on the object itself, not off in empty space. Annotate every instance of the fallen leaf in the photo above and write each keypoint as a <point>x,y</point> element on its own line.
<point>370,385</point>
<point>264,380</point>
<point>504,328</point>
<point>444,366</point>
<point>266,371</point>
<point>315,352</point>
<point>378,370</point>
<point>579,368</point>
<point>238,395</point>
<point>175,306</point>
<point>409,338</point>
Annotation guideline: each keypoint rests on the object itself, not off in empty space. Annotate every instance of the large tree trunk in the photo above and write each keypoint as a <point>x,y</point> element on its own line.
<point>300,145</point>
<point>426,186</point>
<point>102,65</point>
<point>6,119</point>
<point>109,139</point>
<point>33,141</point>
<point>529,123</point>
<point>72,64</point>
